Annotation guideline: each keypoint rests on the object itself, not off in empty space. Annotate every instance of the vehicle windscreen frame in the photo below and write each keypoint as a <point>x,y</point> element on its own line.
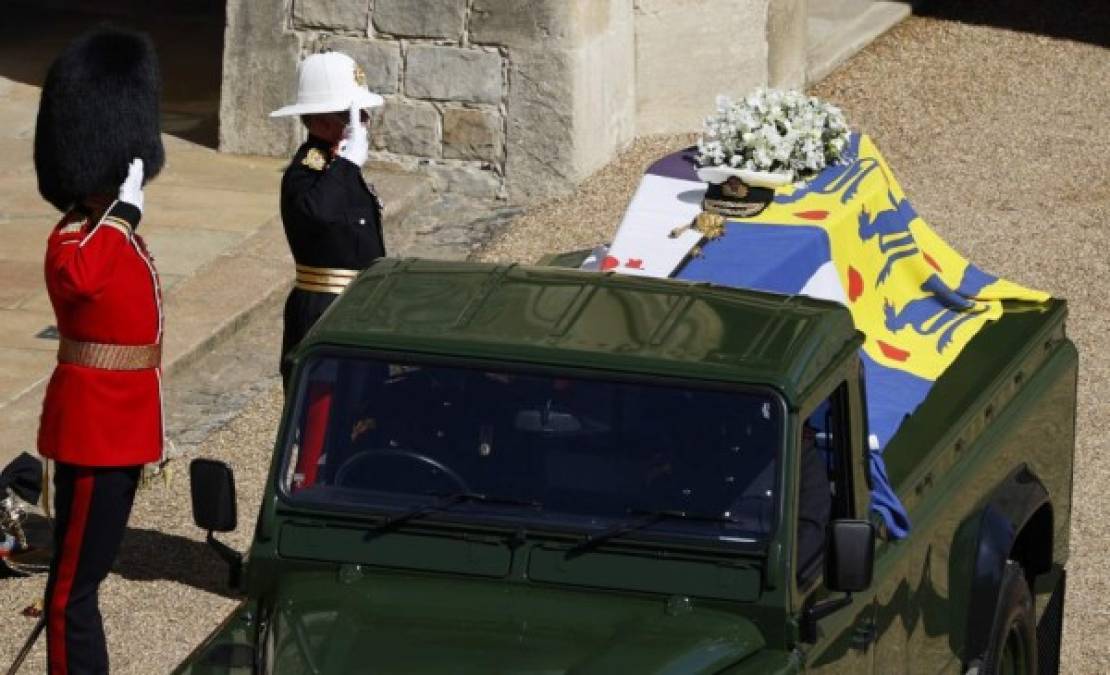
<point>459,519</point>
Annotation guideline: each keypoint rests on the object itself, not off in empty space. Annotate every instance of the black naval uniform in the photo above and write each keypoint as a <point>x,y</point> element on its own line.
<point>333,222</point>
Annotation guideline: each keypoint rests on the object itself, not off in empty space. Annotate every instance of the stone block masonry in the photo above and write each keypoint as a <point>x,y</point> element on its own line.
<point>473,134</point>
<point>728,56</point>
<point>520,99</point>
<point>442,19</point>
<point>349,16</point>
<point>380,59</point>
<point>491,98</point>
<point>445,96</point>
<point>453,74</point>
<point>409,128</point>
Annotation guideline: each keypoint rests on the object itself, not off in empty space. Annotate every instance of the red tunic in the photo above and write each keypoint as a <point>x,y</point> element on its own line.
<point>104,288</point>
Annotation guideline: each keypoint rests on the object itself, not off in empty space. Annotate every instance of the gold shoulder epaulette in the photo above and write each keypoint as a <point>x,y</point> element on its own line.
<point>73,227</point>
<point>314,159</point>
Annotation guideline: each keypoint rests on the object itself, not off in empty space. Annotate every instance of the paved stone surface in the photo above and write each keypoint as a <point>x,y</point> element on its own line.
<point>453,226</point>
<point>220,382</point>
<point>192,218</point>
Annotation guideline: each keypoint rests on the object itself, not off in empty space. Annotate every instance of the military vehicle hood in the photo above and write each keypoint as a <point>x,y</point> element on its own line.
<point>328,623</point>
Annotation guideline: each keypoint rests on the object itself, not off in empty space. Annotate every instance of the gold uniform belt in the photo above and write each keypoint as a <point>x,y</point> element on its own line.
<point>324,279</point>
<point>109,356</point>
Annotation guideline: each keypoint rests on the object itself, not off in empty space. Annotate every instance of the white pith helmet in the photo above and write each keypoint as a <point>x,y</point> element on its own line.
<point>329,82</point>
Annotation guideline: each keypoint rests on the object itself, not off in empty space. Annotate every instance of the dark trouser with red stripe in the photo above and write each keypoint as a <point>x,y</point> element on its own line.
<point>91,506</point>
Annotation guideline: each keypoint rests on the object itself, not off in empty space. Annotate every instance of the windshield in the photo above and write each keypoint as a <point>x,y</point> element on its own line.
<point>416,441</point>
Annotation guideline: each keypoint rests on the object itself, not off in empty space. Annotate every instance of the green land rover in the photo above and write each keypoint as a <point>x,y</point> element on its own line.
<point>512,469</point>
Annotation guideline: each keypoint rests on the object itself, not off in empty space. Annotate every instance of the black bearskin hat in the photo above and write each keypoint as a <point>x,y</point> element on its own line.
<point>99,110</point>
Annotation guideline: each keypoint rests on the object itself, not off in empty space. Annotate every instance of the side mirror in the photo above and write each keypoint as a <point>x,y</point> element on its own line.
<point>849,566</point>
<point>849,555</point>
<point>212,486</point>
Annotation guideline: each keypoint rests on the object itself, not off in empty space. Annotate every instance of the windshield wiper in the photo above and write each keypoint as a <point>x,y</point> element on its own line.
<point>645,519</point>
<point>446,503</point>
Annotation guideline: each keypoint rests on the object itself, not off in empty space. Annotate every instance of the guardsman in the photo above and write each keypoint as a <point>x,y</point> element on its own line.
<point>96,141</point>
<point>332,218</point>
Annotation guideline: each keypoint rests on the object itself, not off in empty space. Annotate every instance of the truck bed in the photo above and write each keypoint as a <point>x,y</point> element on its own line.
<point>971,396</point>
<point>962,405</point>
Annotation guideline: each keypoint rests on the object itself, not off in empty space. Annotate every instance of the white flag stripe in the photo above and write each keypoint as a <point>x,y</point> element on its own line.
<point>825,285</point>
<point>659,206</point>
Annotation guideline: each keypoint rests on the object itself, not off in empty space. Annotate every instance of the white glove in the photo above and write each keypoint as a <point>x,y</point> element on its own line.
<point>355,146</point>
<point>131,192</point>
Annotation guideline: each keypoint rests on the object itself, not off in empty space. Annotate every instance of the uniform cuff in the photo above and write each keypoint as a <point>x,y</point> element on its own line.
<point>124,214</point>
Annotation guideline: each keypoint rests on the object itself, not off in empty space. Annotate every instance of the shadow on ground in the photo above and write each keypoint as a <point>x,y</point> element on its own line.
<point>145,555</point>
<point>150,555</point>
<point>187,34</point>
<point>1078,20</point>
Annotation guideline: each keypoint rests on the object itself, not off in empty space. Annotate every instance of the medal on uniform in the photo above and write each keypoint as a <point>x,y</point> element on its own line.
<point>314,159</point>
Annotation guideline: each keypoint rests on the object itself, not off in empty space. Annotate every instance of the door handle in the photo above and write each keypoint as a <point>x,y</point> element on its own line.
<point>864,634</point>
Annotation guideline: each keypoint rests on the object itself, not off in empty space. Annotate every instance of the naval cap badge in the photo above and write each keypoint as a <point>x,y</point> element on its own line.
<point>360,76</point>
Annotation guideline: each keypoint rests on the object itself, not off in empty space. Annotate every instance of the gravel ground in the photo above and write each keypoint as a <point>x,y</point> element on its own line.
<point>999,139</point>
<point>167,591</point>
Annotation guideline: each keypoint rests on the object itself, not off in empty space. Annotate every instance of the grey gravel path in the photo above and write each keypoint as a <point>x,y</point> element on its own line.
<point>167,590</point>
<point>998,138</point>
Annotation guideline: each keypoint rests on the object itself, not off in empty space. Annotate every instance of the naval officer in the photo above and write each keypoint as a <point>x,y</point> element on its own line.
<point>332,218</point>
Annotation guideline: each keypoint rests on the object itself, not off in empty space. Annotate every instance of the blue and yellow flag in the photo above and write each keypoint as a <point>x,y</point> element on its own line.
<point>849,235</point>
<point>916,299</point>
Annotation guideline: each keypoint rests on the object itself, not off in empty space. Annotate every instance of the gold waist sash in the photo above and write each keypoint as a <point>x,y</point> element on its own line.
<point>109,356</point>
<point>324,279</point>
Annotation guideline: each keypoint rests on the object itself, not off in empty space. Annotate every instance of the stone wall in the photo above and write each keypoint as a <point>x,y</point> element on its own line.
<point>787,42</point>
<point>689,51</point>
<point>260,70</point>
<point>445,94</point>
<point>571,103</point>
<point>511,98</point>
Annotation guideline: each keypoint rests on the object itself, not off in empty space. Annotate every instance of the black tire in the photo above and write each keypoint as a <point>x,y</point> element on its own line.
<point>1012,649</point>
<point>1049,630</point>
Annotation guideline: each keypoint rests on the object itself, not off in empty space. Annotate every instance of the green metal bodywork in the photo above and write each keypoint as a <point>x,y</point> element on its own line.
<point>557,317</point>
<point>324,597</point>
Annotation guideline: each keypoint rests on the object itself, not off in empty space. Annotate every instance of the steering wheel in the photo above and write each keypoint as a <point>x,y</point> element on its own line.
<point>354,466</point>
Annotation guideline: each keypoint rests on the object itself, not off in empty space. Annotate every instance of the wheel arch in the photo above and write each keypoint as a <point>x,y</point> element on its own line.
<point>1014,522</point>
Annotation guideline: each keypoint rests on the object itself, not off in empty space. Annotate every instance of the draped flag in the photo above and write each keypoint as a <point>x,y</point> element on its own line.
<point>848,235</point>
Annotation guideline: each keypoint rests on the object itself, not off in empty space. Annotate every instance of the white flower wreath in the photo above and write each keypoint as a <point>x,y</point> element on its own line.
<point>772,136</point>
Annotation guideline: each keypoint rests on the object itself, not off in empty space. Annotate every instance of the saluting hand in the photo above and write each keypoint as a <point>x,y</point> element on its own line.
<point>131,192</point>
<point>355,146</point>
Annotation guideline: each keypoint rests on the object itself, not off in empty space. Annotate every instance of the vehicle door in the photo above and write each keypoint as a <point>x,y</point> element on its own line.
<point>829,473</point>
